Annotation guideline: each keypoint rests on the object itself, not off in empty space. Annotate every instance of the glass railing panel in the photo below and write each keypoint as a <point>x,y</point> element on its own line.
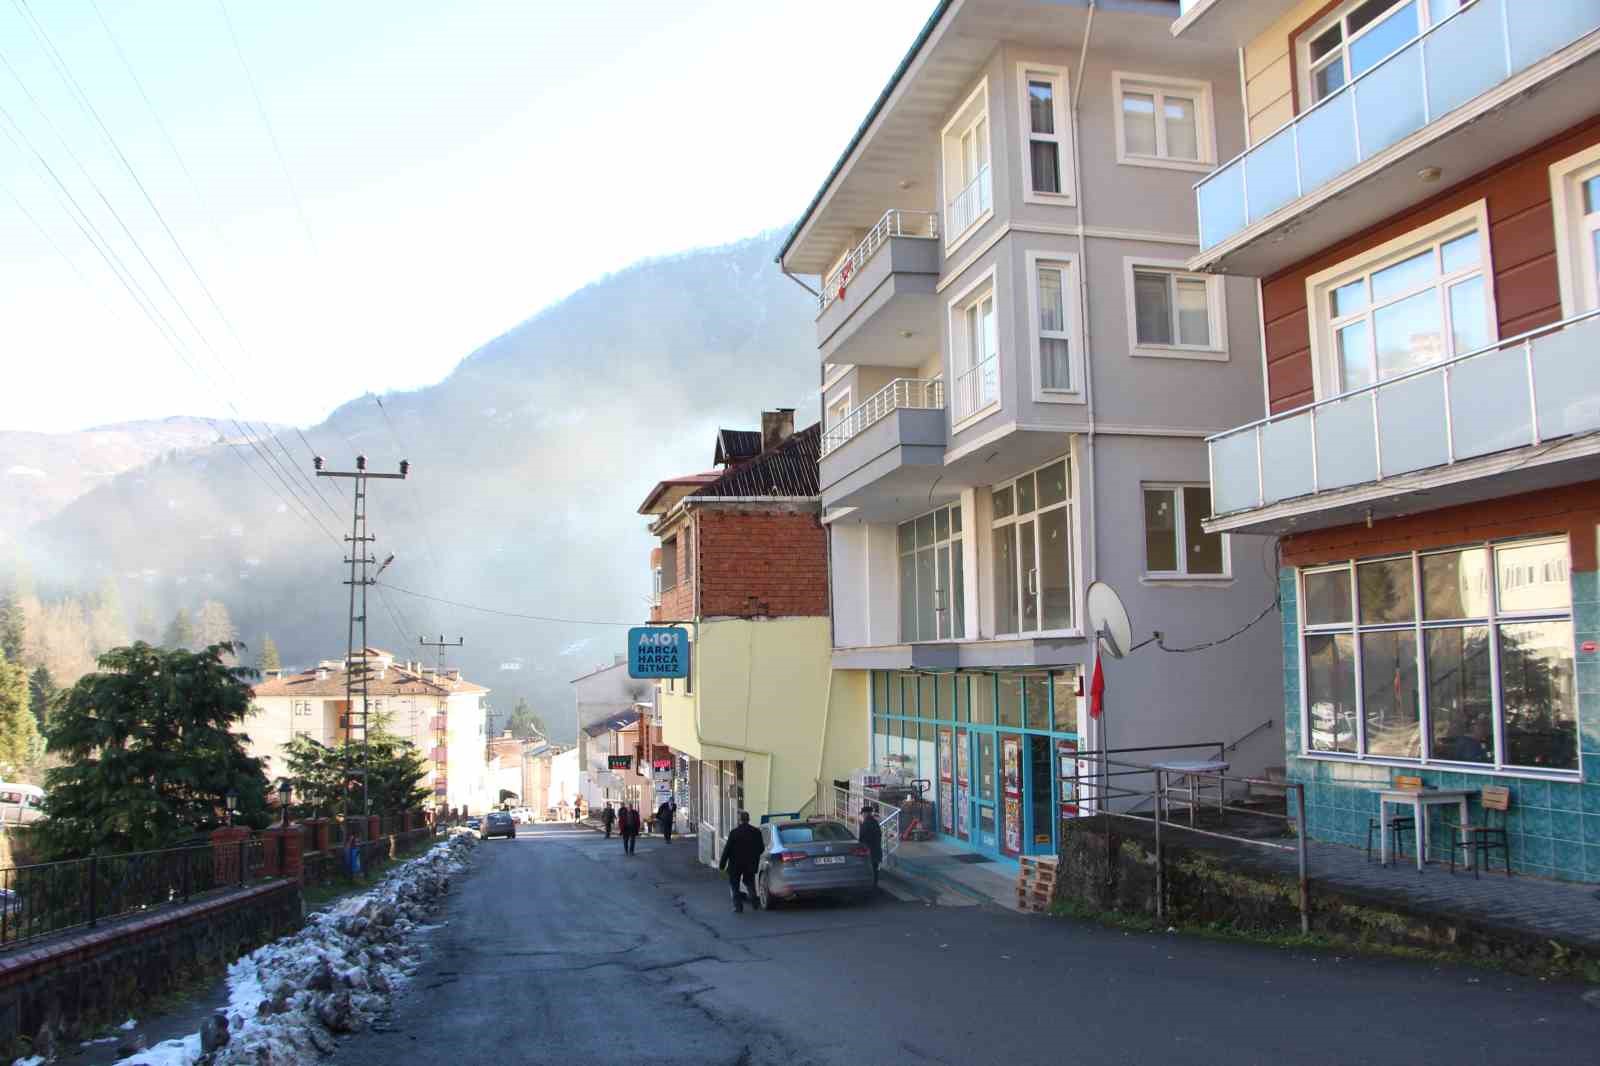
<point>1234,482</point>
<point>1269,175</point>
<point>1286,458</point>
<point>1489,403</point>
<point>1539,29</point>
<point>1327,142</point>
<point>1465,57</point>
<point>1221,199</point>
<point>1389,101</point>
<point>1566,374</point>
<point>1411,424</point>
<point>1346,445</point>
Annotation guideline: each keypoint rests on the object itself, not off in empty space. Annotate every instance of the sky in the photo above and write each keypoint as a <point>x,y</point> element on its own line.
<point>363,191</point>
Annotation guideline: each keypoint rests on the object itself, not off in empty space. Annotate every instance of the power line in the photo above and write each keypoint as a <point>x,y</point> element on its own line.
<point>505,614</point>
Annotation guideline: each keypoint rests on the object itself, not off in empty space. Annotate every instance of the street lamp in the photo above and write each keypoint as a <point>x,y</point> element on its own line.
<point>285,790</point>
<point>232,800</point>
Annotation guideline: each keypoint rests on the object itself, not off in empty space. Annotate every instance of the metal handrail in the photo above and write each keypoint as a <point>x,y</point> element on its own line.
<point>894,223</point>
<point>846,805</point>
<point>969,388</point>
<point>971,201</point>
<point>916,394</point>
<point>1235,745</point>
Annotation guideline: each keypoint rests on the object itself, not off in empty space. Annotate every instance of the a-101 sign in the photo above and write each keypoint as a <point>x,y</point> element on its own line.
<point>658,651</point>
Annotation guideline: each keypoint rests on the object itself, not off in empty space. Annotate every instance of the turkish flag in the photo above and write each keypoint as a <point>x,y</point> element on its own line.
<point>1097,687</point>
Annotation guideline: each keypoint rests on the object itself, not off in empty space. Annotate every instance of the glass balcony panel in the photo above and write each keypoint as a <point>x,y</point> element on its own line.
<point>1540,29</point>
<point>1222,205</point>
<point>1489,403</point>
<point>1346,452</point>
<point>1411,426</point>
<point>1389,101</point>
<point>1327,143</point>
<point>1234,482</point>
<point>1270,174</point>
<point>1465,56</point>
<point>1568,387</point>
<point>1286,458</point>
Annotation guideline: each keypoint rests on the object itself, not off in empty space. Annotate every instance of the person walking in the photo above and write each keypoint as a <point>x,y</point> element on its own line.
<point>664,815</point>
<point>871,835</point>
<point>741,855</point>
<point>577,809</point>
<point>607,817</point>
<point>629,825</point>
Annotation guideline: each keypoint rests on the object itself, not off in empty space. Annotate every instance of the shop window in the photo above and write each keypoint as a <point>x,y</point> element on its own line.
<point>1462,656</point>
<point>932,593</point>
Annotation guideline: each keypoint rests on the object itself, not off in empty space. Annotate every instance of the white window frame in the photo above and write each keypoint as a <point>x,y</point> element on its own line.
<point>1493,620</point>
<point>973,110</point>
<point>1575,252</point>
<point>1324,352</point>
<point>1179,534</point>
<point>1064,138</point>
<point>1216,311</point>
<point>982,287</point>
<point>1302,43</point>
<point>1205,132</point>
<point>840,402</point>
<point>1067,262</point>
<point>1075,562</point>
<point>955,541</point>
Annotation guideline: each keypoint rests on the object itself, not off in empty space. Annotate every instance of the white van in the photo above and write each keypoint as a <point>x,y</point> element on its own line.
<point>20,804</point>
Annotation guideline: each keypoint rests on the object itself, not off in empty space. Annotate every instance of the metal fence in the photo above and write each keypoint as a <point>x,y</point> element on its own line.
<point>847,806</point>
<point>921,394</point>
<point>894,223</point>
<point>54,897</point>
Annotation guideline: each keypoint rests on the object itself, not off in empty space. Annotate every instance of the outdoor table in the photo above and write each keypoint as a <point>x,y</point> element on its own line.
<point>1193,772</point>
<point>1419,800</point>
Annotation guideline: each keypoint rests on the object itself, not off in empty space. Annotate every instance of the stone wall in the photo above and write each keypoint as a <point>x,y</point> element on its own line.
<point>69,986</point>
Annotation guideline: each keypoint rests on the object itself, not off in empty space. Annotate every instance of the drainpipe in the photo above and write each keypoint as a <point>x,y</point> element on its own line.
<point>1083,302</point>
<point>785,271</point>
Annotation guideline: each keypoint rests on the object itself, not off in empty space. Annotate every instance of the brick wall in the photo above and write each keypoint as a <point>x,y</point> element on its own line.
<point>761,562</point>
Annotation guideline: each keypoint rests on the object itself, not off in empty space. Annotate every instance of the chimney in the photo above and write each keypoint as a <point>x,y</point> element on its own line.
<point>776,427</point>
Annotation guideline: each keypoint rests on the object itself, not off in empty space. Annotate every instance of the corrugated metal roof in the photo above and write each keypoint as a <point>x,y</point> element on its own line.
<point>737,445</point>
<point>612,724</point>
<point>787,471</point>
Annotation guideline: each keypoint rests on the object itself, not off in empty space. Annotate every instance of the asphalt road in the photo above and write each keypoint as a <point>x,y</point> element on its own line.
<point>557,948</point>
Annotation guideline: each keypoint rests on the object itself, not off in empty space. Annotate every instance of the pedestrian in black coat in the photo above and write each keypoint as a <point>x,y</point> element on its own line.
<point>664,816</point>
<point>628,824</point>
<point>872,836</point>
<point>607,817</point>
<point>741,856</point>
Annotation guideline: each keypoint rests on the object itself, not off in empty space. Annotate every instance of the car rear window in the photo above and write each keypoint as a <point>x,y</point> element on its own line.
<point>807,832</point>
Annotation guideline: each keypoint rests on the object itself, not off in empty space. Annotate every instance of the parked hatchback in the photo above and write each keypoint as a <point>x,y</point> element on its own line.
<point>499,824</point>
<point>812,858</point>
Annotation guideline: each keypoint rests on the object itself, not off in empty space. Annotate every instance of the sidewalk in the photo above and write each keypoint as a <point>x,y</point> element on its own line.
<point>944,874</point>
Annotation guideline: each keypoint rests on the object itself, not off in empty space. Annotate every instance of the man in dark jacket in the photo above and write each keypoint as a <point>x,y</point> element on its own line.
<point>741,855</point>
<point>628,825</point>
<point>607,817</point>
<point>872,836</point>
<point>664,815</point>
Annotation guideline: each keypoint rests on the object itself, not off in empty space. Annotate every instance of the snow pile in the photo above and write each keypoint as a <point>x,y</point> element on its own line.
<point>288,1000</point>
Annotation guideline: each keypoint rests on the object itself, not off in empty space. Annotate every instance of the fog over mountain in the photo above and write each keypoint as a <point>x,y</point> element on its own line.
<point>527,464</point>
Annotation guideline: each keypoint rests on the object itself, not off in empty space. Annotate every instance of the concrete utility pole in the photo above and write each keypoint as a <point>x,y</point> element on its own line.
<point>360,557</point>
<point>441,724</point>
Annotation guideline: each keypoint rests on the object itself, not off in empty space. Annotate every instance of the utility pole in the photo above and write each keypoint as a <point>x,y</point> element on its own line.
<point>359,559</point>
<point>441,724</point>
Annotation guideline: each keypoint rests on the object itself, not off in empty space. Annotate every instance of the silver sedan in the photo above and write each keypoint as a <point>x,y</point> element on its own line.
<point>812,858</point>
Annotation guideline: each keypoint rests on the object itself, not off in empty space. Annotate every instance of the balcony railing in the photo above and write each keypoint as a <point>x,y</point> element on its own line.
<point>1536,387</point>
<point>971,202</point>
<point>1457,59</point>
<point>915,394</point>
<point>977,387</point>
<point>894,223</point>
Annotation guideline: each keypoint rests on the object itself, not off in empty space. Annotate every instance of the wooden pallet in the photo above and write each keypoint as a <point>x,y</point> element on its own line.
<point>1034,899</point>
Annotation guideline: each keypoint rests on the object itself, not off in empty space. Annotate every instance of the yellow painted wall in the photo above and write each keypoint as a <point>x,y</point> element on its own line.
<point>761,695</point>
<point>1266,70</point>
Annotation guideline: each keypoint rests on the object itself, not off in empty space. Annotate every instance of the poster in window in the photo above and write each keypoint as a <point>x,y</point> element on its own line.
<point>962,759</point>
<point>1013,828</point>
<point>944,755</point>
<point>1011,765</point>
<point>963,813</point>
<point>946,806</point>
<point>1067,756</point>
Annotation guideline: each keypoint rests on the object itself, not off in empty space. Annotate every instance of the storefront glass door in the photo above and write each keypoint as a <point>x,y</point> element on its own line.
<point>985,815</point>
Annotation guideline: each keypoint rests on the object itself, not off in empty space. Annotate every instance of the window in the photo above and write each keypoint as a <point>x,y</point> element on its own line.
<point>302,708</point>
<point>669,564</point>
<point>1056,342</point>
<point>838,408</point>
<point>1575,195</point>
<point>1417,300</point>
<point>1173,314</point>
<point>1175,544</point>
<point>1032,539</point>
<point>932,593</point>
<point>1460,656</point>
<point>1046,166</point>
<point>688,554</point>
<point>1163,122</point>
<point>968,187</point>
<point>975,350</point>
<point>1354,39</point>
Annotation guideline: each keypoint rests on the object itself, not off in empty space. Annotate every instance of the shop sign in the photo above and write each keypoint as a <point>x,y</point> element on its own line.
<point>661,763</point>
<point>619,762</point>
<point>658,651</point>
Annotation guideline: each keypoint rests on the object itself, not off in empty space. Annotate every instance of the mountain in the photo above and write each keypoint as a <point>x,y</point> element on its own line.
<point>528,463</point>
<point>40,473</point>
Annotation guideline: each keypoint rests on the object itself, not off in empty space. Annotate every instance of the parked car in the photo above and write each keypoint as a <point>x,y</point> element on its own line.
<point>812,858</point>
<point>499,824</point>
<point>474,823</point>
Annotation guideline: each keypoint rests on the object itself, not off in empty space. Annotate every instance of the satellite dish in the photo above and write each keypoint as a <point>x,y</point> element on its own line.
<point>1108,619</point>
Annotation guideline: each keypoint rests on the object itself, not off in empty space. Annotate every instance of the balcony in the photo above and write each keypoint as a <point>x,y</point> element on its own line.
<point>1517,416</point>
<point>970,203</point>
<point>879,306</point>
<point>886,446</point>
<point>1489,81</point>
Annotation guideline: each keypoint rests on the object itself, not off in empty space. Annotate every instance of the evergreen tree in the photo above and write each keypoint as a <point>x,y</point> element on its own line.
<point>525,724</point>
<point>150,749</point>
<point>317,774</point>
<point>267,658</point>
<point>13,618</point>
<point>41,690</point>
<point>214,626</point>
<point>108,628</point>
<point>322,776</point>
<point>180,635</point>
<point>19,734</point>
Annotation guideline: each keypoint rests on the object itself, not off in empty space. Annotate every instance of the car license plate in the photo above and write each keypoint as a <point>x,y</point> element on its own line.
<point>829,860</point>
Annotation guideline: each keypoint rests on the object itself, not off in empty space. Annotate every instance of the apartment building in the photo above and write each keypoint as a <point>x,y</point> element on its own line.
<point>441,713</point>
<point>1418,207</point>
<point>743,567</point>
<point>1019,371</point>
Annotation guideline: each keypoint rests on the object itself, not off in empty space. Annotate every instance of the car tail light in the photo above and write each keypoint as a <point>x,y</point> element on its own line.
<point>792,856</point>
<point>861,849</point>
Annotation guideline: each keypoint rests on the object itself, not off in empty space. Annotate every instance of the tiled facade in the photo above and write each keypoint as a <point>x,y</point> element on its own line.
<point>1555,825</point>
